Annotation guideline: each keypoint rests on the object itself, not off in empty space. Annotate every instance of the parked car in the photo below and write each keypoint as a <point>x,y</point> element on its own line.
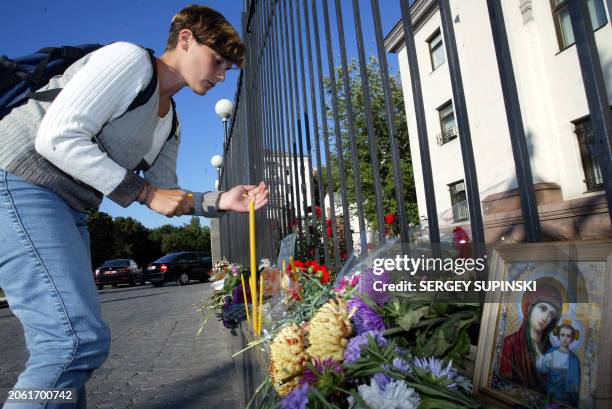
<point>179,267</point>
<point>119,271</point>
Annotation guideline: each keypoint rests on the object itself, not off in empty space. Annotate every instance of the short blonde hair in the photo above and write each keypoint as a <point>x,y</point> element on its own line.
<point>210,28</point>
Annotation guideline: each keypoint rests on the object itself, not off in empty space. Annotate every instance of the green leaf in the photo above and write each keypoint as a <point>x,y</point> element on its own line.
<point>440,308</point>
<point>432,403</point>
<point>410,319</point>
<point>460,349</point>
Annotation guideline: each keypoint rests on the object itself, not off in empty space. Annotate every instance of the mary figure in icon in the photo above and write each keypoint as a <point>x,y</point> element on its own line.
<point>541,310</point>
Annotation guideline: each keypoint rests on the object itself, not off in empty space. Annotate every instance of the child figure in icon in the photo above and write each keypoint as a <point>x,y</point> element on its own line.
<point>561,367</point>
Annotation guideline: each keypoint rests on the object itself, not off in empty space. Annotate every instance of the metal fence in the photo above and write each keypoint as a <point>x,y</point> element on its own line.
<point>287,122</point>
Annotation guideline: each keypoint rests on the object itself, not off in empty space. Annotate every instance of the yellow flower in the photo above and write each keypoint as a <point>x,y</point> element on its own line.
<point>287,358</point>
<point>329,331</point>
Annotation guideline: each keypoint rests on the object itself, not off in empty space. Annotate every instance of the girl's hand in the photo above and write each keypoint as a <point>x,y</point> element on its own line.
<point>169,202</point>
<point>237,199</point>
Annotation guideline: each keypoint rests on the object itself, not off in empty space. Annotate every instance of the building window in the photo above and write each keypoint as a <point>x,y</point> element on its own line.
<point>448,128</point>
<point>436,50</point>
<point>563,25</point>
<point>593,177</point>
<point>459,201</point>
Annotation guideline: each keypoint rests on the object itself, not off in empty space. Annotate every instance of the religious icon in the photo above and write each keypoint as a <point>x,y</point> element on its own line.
<point>548,346</point>
<point>541,310</point>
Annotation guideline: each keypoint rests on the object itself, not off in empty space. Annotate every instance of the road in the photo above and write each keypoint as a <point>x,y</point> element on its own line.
<point>156,360</point>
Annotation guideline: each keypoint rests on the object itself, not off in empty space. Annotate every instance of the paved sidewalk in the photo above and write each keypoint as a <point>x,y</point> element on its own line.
<point>156,359</point>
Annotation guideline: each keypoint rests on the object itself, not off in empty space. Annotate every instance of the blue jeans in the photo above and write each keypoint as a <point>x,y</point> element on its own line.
<point>46,274</point>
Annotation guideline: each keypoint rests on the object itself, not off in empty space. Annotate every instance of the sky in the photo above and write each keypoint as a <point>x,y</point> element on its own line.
<point>28,25</point>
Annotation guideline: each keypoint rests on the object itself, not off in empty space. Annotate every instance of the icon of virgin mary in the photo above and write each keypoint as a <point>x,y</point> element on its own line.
<point>541,311</point>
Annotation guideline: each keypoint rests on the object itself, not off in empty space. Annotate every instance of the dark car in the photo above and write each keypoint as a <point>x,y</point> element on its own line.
<point>119,271</point>
<point>179,267</point>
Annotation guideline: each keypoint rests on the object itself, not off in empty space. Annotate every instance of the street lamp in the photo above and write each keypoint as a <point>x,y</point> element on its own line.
<point>224,108</point>
<point>217,162</point>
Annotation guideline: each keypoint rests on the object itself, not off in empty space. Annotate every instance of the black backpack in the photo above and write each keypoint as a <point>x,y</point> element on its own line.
<point>22,77</point>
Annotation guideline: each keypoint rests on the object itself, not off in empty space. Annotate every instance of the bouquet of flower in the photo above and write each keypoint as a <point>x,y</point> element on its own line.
<point>343,358</point>
<point>350,346</point>
<point>227,299</point>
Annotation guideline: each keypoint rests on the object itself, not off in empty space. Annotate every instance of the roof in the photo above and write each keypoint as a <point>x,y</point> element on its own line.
<point>420,10</point>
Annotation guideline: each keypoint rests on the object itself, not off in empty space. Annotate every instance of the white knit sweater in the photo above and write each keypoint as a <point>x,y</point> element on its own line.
<point>50,144</point>
<point>101,91</point>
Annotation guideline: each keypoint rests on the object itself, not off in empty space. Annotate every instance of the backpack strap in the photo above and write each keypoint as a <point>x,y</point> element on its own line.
<point>48,95</point>
<point>145,94</point>
<point>175,122</point>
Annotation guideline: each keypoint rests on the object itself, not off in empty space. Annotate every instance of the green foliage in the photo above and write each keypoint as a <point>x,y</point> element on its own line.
<point>190,237</point>
<point>383,145</point>
<point>125,237</point>
<point>101,236</point>
<point>439,330</point>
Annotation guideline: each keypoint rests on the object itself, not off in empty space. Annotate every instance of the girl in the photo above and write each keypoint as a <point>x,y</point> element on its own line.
<point>57,160</point>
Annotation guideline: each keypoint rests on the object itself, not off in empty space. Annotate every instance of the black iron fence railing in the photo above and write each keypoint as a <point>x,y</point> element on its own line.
<point>297,126</point>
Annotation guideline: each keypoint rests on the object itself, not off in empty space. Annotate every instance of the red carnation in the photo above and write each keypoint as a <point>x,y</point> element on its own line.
<point>318,210</point>
<point>329,232</point>
<point>328,223</point>
<point>324,279</point>
<point>390,218</point>
<point>312,266</point>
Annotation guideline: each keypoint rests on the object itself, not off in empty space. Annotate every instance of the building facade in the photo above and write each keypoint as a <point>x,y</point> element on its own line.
<point>567,179</point>
<point>280,168</point>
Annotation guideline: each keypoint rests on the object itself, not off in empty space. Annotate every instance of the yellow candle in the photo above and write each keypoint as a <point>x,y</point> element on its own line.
<point>260,304</point>
<point>283,275</point>
<point>253,286</point>
<point>252,246</point>
<point>244,298</point>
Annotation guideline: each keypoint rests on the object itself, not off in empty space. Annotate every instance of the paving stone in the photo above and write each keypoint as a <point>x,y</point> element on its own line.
<point>157,360</point>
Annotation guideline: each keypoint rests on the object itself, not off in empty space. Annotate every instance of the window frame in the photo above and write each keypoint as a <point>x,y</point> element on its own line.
<point>446,135</point>
<point>556,9</point>
<point>587,158</point>
<point>454,201</point>
<point>437,32</point>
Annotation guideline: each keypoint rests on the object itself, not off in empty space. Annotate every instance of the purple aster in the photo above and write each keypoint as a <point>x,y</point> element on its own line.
<point>436,369</point>
<point>366,286</point>
<point>401,365</point>
<point>353,349</point>
<point>328,365</point>
<point>297,399</point>
<point>365,318</point>
<point>382,380</point>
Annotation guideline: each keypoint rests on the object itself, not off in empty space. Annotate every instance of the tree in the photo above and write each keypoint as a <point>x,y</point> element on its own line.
<point>131,240</point>
<point>383,147</point>
<point>190,237</point>
<point>156,237</point>
<point>125,237</point>
<point>101,236</point>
